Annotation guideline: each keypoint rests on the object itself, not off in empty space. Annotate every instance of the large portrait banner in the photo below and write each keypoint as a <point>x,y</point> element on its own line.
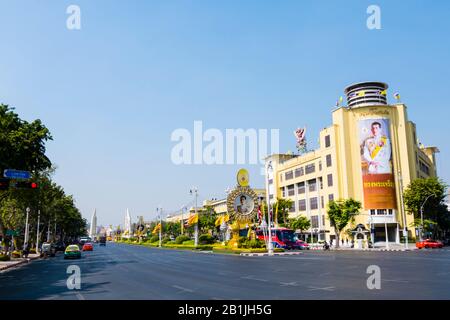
<point>376,164</point>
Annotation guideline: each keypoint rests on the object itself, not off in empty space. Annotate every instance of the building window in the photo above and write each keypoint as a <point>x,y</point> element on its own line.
<point>424,168</point>
<point>372,212</point>
<point>271,196</point>
<point>292,208</point>
<point>301,188</point>
<point>270,181</point>
<point>289,175</point>
<point>320,183</point>
<point>315,221</point>
<point>323,220</point>
<point>328,160</point>
<point>283,192</point>
<point>320,165</point>
<point>291,191</point>
<point>281,177</point>
<point>331,197</point>
<point>302,205</point>
<point>312,185</point>
<point>327,141</point>
<point>322,202</point>
<point>313,203</point>
<point>299,172</point>
<point>390,212</point>
<point>381,212</point>
<point>330,180</point>
<point>310,168</point>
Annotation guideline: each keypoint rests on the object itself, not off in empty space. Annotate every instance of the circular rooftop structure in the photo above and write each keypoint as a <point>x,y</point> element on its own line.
<point>364,94</point>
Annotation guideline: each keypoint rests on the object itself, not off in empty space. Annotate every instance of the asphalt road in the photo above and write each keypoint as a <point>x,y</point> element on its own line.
<point>120,271</point>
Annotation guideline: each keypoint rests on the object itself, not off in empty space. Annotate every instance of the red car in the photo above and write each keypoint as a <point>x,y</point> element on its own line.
<point>428,243</point>
<point>88,247</point>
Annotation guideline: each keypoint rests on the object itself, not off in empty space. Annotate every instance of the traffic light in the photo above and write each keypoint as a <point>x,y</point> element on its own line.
<point>26,185</point>
<point>4,184</point>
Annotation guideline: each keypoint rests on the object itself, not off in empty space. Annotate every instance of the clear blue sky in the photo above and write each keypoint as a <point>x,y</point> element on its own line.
<point>112,92</point>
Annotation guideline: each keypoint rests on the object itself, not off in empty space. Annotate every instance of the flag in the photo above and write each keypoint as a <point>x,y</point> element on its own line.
<point>361,93</point>
<point>157,228</point>
<point>193,219</point>
<point>249,232</point>
<point>226,218</point>
<point>219,220</point>
<point>397,96</point>
<point>276,214</point>
<point>384,92</point>
<point>259,214</point>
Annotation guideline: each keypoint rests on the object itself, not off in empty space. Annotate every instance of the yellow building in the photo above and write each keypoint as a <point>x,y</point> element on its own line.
<point>369,153</point>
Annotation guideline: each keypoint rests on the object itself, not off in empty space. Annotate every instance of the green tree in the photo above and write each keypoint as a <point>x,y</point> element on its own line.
<point>207,220</point>
<point>284,205</point>
<point>430,194</point>
<point>300,223</point>
<point>340,213</point>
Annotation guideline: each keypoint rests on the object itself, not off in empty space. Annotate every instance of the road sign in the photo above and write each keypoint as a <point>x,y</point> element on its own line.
<point>12,232</point>
<point>16,174</point>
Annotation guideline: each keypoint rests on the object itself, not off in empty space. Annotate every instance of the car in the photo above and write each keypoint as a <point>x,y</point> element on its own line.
<point>88,247</point>
<point>102,241</point>
<point>60,246</point>
<point>72,252</point>
<point>48,249</point>
<point>428,243</point>
<point>302,245</point>
<point>83,240</point>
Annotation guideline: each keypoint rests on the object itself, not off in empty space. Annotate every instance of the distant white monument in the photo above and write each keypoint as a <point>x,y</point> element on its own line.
<point>127,228</point>
<point>93,227</point>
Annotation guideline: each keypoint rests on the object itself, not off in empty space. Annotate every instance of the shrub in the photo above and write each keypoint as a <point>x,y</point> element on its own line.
<point>182,238</point>
<point>206,239</point>
<point>166,239</point>
<point>154,238</point>
<point>4,257</point>
<point>188,242</point>
<point>255,243</point>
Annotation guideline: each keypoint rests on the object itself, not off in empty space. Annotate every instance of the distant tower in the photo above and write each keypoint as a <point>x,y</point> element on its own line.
<point>93,227</point>
<point>127,228</point>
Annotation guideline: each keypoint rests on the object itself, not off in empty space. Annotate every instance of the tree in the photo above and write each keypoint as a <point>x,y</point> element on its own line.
<point>207,220</point>
<point>434,209</point>
<point>340,213</point>
<point>284,205</point>
<point>300,223</point>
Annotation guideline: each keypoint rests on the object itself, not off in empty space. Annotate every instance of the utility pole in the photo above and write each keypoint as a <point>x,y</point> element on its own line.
<point>405,229</point>
<point>25,242</point>
<point>37,232</point>
<point>195,191</point>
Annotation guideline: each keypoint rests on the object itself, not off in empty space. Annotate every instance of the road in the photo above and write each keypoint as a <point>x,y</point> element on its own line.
<point>120,271</point>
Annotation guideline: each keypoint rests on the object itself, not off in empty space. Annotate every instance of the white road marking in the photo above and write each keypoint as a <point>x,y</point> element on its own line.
<point>251,277</point>
<point>289,284</point>
<point>80,296</point>
<point>311,288</point>
<point>182,289</point>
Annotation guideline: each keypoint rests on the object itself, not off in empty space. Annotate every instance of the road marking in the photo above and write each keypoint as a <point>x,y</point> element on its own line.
<point>311,288</point>
<point>251,277</point>
<point>289,284</point>
<point>80,296</point>
<point>394,280</point>
<point>182,289</point>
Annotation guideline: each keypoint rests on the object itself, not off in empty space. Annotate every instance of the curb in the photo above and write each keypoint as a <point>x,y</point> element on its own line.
<point>266,254</point>
<point>19,263</point>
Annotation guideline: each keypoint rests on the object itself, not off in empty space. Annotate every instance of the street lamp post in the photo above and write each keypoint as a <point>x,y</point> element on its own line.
<point>37,232</point>
<point>195,192</point>
<point>25,242</point>
<point>269,227</point>
<point>421,215</point>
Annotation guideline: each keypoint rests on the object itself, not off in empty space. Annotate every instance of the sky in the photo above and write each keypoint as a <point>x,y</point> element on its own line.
<point>113,92</point>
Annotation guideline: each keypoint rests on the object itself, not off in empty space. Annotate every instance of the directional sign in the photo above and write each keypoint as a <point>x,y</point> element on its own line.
<point>12,232</point>
<point>16,174</point>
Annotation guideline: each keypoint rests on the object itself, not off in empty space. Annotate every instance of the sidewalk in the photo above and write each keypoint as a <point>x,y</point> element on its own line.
<point>5,265</point>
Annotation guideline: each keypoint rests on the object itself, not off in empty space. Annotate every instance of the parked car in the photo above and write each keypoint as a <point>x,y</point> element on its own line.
<point>48,249</point>
<point>60,246</point>
<point>88,247</point>
<point>428,243</point>
<point>72,252</point>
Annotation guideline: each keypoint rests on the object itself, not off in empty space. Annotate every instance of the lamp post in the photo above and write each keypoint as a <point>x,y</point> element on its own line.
<point>421,215</point>
<point>194,191</point>
<point>269,227</point>
<point>37,232</point>
<point>25,242</point>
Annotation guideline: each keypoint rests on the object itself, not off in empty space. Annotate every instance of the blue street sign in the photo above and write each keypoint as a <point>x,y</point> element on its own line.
<point>16,174</point>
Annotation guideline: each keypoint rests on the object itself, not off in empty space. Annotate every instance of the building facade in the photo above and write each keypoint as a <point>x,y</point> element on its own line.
<point>369,153</point>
